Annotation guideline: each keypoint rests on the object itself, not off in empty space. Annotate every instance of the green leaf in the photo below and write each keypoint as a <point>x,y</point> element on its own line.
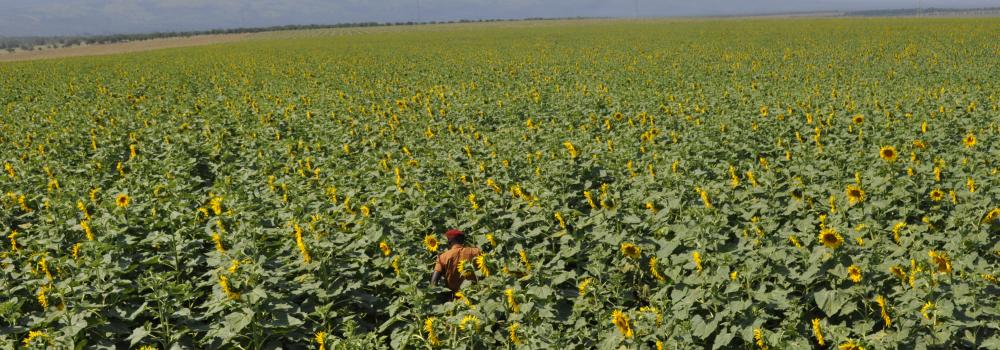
<point>829,301</point>
<point>722,339</point>
<point>138,334</point>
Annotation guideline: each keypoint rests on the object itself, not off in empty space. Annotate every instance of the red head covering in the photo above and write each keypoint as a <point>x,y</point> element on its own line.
<point>452,233</point>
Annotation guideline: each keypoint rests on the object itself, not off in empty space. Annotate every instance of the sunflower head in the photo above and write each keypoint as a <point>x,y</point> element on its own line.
<point>481,265</point>
<point>992,215</point>
<point>122,200</point>
<point>431,335</point>
<point>941,260</point>
<point>470,322</point>
<point>937,195</point>
<point>570,148</point>
<point>858,119</point>
<point>855,194</point>
<point>888,153</point>
<point>619,319</point>
<point>431,242</point>
<point>830,238</point>
<point>898,272</point>
<point>631,250</point>
<point>969,140</point>
<point>850,345</point>
<point>854,273</point>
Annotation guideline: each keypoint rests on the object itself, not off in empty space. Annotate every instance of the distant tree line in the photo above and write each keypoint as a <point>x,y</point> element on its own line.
<point>30,43</point>
<point>924,11</point>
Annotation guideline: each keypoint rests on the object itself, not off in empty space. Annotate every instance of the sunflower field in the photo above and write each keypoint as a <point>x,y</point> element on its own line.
<point>654,184</point>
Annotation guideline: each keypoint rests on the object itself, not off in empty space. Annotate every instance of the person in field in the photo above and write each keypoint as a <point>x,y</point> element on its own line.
<point>447,263</point>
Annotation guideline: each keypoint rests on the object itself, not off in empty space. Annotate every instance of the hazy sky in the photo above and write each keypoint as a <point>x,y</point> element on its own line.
<point>55,17</point>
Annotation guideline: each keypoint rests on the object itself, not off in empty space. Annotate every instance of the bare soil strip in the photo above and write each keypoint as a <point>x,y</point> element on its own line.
<point>114,48</point>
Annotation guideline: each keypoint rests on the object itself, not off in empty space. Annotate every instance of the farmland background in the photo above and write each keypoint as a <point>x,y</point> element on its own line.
<point>282,191</point>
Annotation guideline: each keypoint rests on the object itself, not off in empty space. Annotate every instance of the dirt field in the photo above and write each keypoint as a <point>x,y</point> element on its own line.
<point>107,49</point>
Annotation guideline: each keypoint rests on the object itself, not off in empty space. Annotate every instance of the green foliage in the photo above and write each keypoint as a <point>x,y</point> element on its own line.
<point>262,177</point>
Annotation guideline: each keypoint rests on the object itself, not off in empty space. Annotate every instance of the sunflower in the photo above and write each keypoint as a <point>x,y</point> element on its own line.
<point>858,119</point>
<point>696,257</point>
<point>704,197</point>
<point>618,318</point>
<point>631,250</point>
<point>854,273</point>
<point>969,140</point>
<point>472,201</point>
<point>470,322</point>
<point>512,332</point>
<point>655,312</point>
<point>122,200</point>
<point>924,309</point>
<point>880,300</point>
<point>384,247</point>
<point>850,345</point>
<point>898,227</point>
<point>888,153</point>
<point>937,195</point>
<point>481,265</point>
<point>582,286</point>
<point>855,194</point>
<point>654,271</point>
<point>523,256</point>
<point>511,301</point>
<point>898,272</point>
<point>463,271</point>
<point>830,238</point>
<point>320,339</point>
<point>992,215</point>
<point>570,148</point>
<point>817,331</point>
<point>758,337</point>
<point>431,335</point>
<point>431,243</point>
<point>32,335</point>
<point>941,260</point>
<point>216,205</point>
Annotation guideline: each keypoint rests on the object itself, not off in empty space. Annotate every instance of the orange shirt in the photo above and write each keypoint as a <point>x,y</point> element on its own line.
<point>447,265</point>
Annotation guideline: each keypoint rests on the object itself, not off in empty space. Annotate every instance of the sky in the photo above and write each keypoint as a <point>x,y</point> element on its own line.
<point>77,17</point>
